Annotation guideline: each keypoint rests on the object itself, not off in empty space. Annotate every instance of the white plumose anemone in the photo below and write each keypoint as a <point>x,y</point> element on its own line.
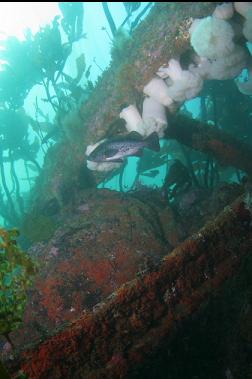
<point>219,57</point>
<point>182,84</point>
<point>245,9</point>
<point>158,90</point>
<point>154,117</point>
<point>247,28</point>
<point>212,38</point>
<point>102,166</point>
<point>224,11</point>
<point>242,7</point>
<point>134,122</point>
<point>223,68</point>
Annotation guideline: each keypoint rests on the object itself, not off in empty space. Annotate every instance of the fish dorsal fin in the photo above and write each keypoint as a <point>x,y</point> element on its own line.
<point>135,136</point>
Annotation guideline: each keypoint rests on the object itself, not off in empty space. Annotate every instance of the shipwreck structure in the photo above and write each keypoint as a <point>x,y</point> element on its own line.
<point>135,331</point>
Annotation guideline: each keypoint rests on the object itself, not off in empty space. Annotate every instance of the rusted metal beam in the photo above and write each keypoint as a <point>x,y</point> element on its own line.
<point>127,330</point>
<point>226,149</point>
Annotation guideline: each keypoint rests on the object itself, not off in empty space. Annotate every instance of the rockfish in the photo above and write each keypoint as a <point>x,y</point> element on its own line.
<point>117,148</point>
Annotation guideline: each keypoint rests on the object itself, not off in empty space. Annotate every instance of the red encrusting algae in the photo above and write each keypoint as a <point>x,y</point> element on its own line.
<point>131,325</point>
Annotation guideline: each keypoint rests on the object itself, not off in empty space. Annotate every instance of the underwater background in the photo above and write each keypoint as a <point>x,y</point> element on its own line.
<point>125,190</point>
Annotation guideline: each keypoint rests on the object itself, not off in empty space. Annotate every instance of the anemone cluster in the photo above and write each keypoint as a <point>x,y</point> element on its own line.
<point>219,53</point>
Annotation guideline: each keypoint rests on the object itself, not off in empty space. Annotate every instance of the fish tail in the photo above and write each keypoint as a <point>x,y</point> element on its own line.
<point>153,142</point>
